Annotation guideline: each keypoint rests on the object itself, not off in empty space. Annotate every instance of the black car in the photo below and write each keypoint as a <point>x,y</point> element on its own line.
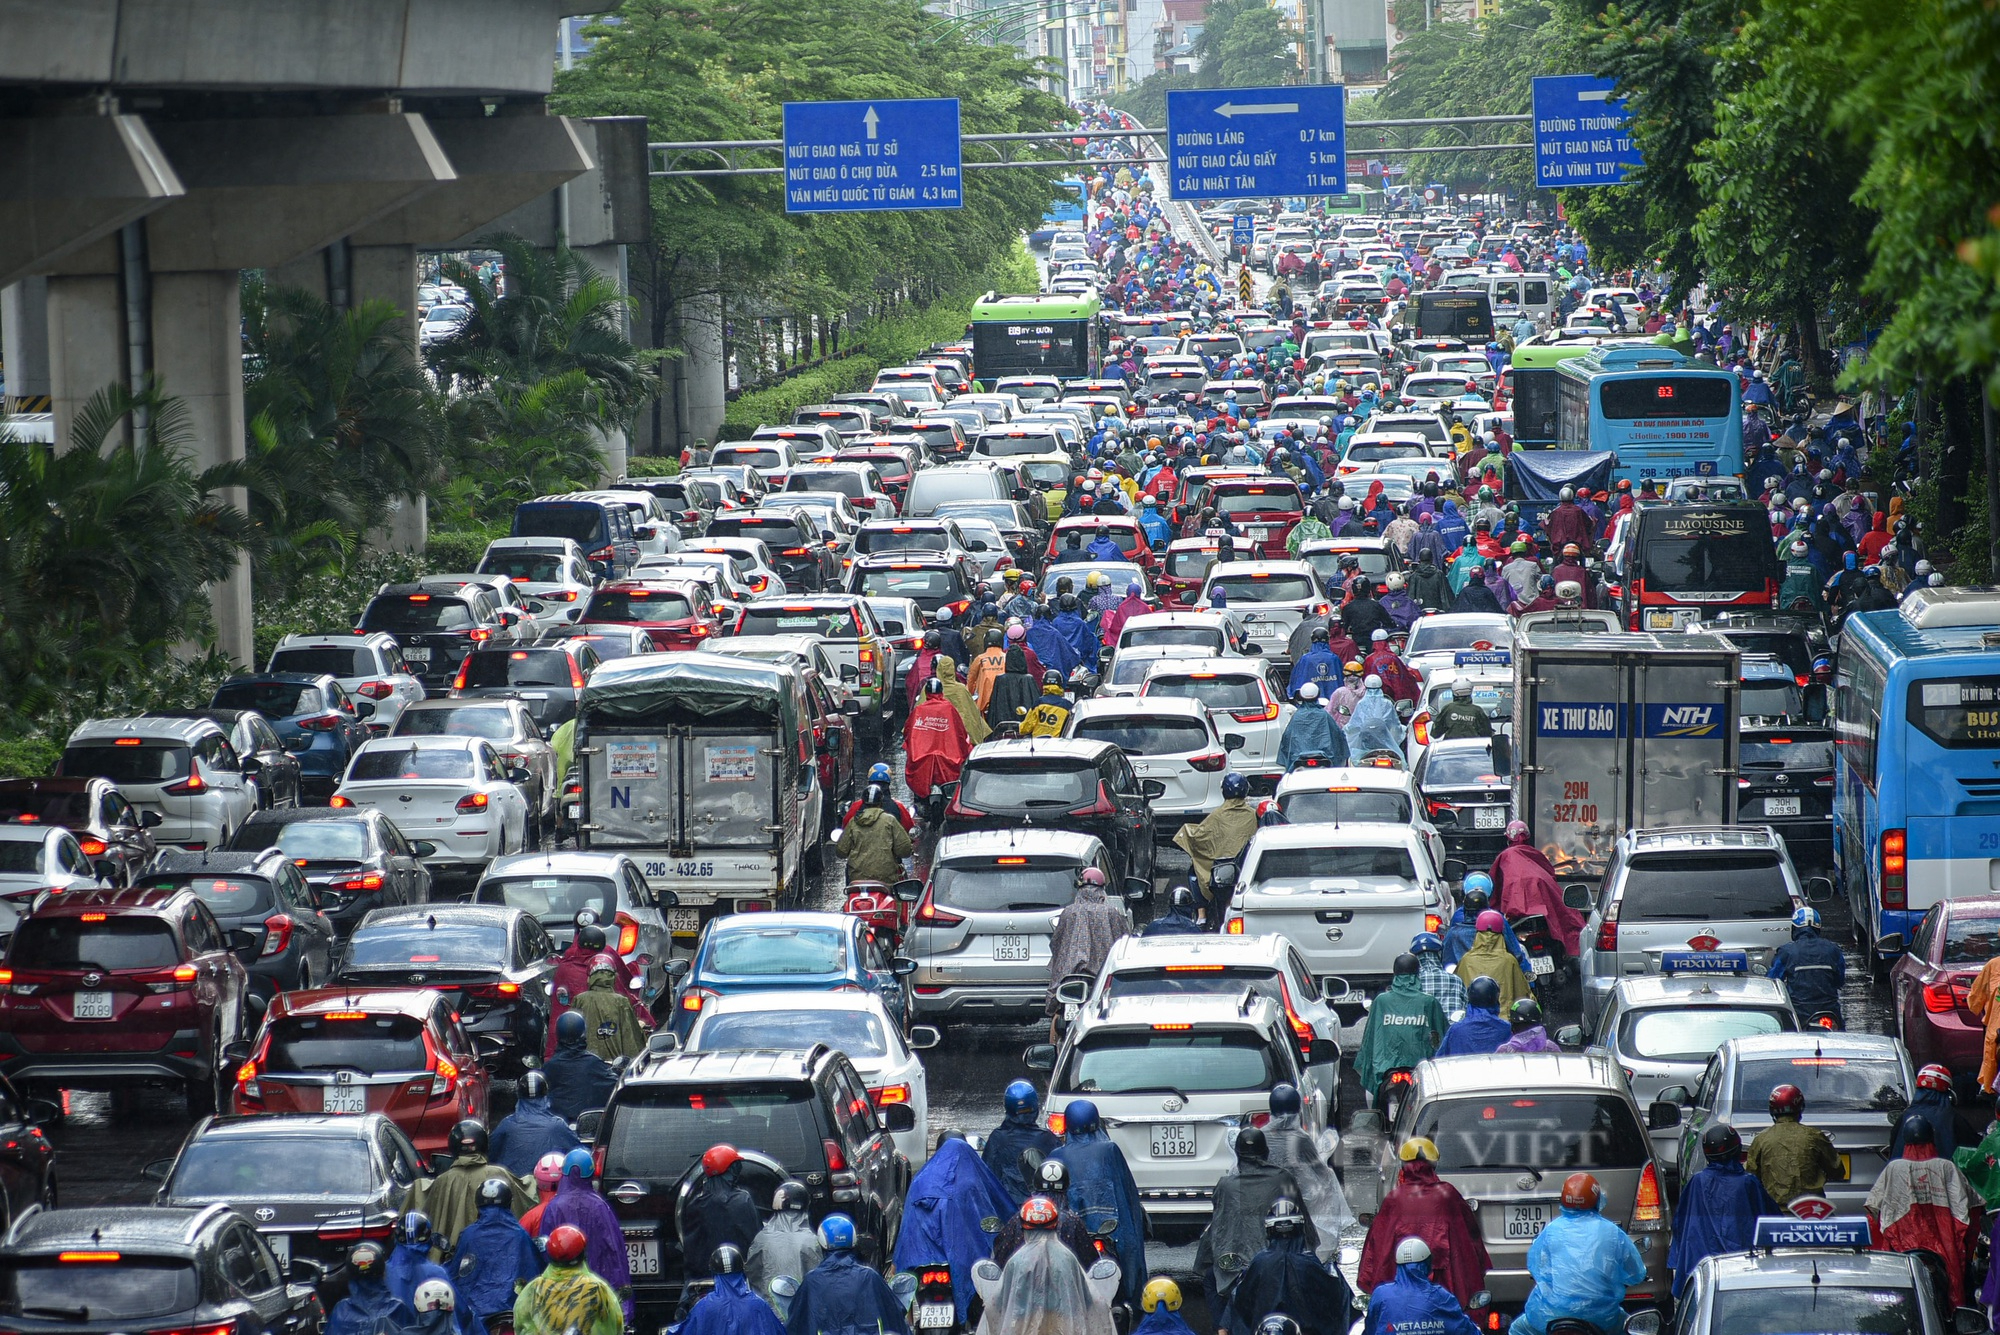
<point>497,964</point>
<point>1466,789</point>
<point>802,1114</point>
<point>27,1159</point>
<point>807,556</point>
<point>143,1268</point>
<point>1785,777</point>
<point>932,580</point>
<point>437,625</point>
<point>1059,784</point>
<point>547,678</point>
<point>113,834</point>
<point>263,905</point>
<point>1796,640</point>
<point>272,769</point>
<point>314,1185</point>
<point>356,860</point>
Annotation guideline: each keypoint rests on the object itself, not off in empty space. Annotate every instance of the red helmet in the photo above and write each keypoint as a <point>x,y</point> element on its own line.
<point>1038,1212</point>
<point>1580,1192</point>
<point>719,1159</point>
<point>1788,1101</point>
<point>603,964</point>
<point>566,1244</point>
<point>1934,1076</point>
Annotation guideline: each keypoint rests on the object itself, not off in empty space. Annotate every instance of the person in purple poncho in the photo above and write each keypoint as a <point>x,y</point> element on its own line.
<point>577,1203</point>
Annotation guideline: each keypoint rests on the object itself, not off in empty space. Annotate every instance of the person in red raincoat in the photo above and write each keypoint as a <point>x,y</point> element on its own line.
<point>935,742</point>
<point>1131,605</point>
<point>1424,1206</point>
<point>1524,882</point>
<point>572,976</point>
<point>1923,1202</point>
<point>1398,682</point>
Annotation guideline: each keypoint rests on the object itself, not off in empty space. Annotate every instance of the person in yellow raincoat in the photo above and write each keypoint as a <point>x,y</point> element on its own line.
<point>1981,1003</point>
<point>1488,957</point>
<point>976,729</point>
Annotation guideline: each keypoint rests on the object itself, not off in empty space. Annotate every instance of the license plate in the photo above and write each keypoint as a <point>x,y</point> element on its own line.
<point>344,1099</point>
<point>91,1006</point>
<point>1525,1222</point>
<point>936,1316</point>
<point>1010,947</point>
<point>1541,964</point>
<point>642,1255</point>
<point>1781,806</point>
<point>1489,818</point>
<point>281,1247</point>
<point>417,653</point>
<point>1660,621</point>
<point>684,922</point>
<point>1173,1140</point>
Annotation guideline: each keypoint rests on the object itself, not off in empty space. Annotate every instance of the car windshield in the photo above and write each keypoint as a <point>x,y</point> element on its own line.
<point>638,605</point>
<point>1309,864</point>
<point>1213,691</point>
<point>1461,767</point>
<point>137,1287</point>
<point>1264,588</point>
<point>1818,1309</point>
<point>146,763</point>
<point>856,1033</point>
<point>759,457</point>
<point>226,896</point>
<point>30,806</point>
<point>1170,1060</point>
<point>551,898</point>
<point>1693,1033</point>
<point>491,721</point>
<point>1500,1132</point>
<point>926,582</point>
<point>1206,638</point>
<point>334,662</point>
<point>518,667</point>
<point>417,612</point>
<point>1704,887</point>
<point>1256,500</point>
<point>461,943</point>
<point>272,699</point>
<point>1139,735</point>
<point>1789,754</point>
<point>411,762</point>
<point>111,945</point>
<point>21,855</point>
<point>369,1043</point>
<point>314,840</point>
<point>849,484</point>
<point>989,887</point>
<point>234,1168</point>
<point>870,541</point>
<point>1313,806</point>
<point>1971,938</point>
<point>777,531</point>
<point>1044,783</point>
<point>776,951</point>
<point>1429,638</point>
<point>1831,1084</point>
<point>832,623</point>
<point>1197,980</point>
<point>1191,562</point>
<point>533,567</point>
<point>658,1132</point>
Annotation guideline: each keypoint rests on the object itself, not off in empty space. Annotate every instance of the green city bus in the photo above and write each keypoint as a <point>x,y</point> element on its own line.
<point>1035,335</point>
<point>1535,391</point>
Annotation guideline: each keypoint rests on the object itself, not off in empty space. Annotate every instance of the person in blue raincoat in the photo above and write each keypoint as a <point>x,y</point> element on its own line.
<point>730,1308</point>
<point>1374,725</point>
<point>1412,1303</point>
<point>1286,1277</point>
<point>1102,548</point>
<point>1161,1302</point>
<point>951,1204</point>
<point>531,1131</point>
<point>1158,531</point>
<point>1051,646</point>
<point>1073,628</point>
<point>1718,1208</point>
<point>369,1308</point>
<point>1179,919</point>
<point>491,1258</point>
<point>410,1263</point>
<point>1480,1030</point>
<point>1311,731</point>
<point>1317,664</point>
<point>1018,1131</point>
<point>1475,898</point>
<point>843,1295</point>
<point>1101,1189</point>
<point>1581,1263</point>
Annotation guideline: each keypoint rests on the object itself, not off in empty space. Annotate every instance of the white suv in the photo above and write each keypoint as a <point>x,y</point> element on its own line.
<point>1238,696</point>
<point>182,768</point>
<point>369,667</point>
<point>1171,740</point>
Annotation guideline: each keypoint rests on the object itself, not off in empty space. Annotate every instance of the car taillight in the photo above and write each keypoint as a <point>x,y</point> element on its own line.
<point>956,807</point>
<point>1939,998</point>
<point>628,934</point>
<point>1234,927</point>
<point>328,722</point>
<point>1439,808</point>
<point>1433,922</point>
<point>338,801</point>
<point>1895,868</point>
<point>602,554</point>
<point>889,1094</point>
<point>1103,806</point>
<point>1263,715</point>
<point>931,915</point>
<point>1057,1123</point>
<point>1646,1208</point>
<point>246,1081</point>
<point>444,1071</point>
<point>189,786</point>
<point>798,551</point>
<point>696,997</point>
<point>1421,725</point>
<point>479,634</point>
<point>458,681</point>
<point>349,1233</point>
<point>1607,935</point>
<point>836,1162</point>
<point>277,934</point>
<point>473,802</point>
<point>92,847</point>
<point>177,979</point>
<point>375,690</point>
<point>1208,764</point>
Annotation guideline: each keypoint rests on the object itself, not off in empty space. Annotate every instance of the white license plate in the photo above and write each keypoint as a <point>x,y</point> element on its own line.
<point>1542,964</point>
<point>936,1316</point>
<point>1489,818</point>
<point>417,653</point>
<point>1525,1222</point>
<point>642,1255</point>
<point>534,695</point>
<point>684,922</point>
<point>91,1006</point>
<point>1781,806</point>
<point>1010,947</point>
<point>281,1247</point>
<point>345,1099</point>
<point>1173,1140</point>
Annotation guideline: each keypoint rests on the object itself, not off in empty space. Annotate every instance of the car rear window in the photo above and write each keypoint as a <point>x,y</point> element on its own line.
<point>1197,980</point>
<point>1787,755</point>
<point>1971,938</point>
<point>272,699</point>
<point>491,721</point>
<point>21,855</point>
<point>755,456</point>
<point>1306,864</point>
<point>1216,692</point>
<point>1137,735</point>
<point>1170,1061</point>
<point>1517,1132</point>
<point>1042,783</point>
<point>457,942</point>
<point>1126,538</point>
<point>334,662</point>
<point>923,582</point>
<point>518,667</point>
<point>870,541</point>
<point>1694,1033</point>
<point>1370,560</point>
<point>411,762</point>
<point>1190,562</point>
<point>657,1133</point>
<point>1831,1307</point>
<point>638,605</point>
<point>226,896</point>
<point>311,839</point>
<point>1460,766</point>
<point>417,613</point>
<point>1703,887</point>
<point>1426,638</point>
<point>848,483</point>
<point>29,807</point>
<point>578,522</point>
<point>113,944</point>
<point>1264,588</point>
<point>777,952</point>
<point>856,1033</point>
<point>1367,453</point>
<point>1256,500</point>
<point>229,1168</point>
<point>135,1287</point>
<point>1353,804</point>
<point>777,530</point>
<point>534,567</point>
<point>1831,1084</point>
<point>1005,885</point>
<point>552,898</point>
<point>1013,444</point>
<point>832,623</point>
<point>148,762</point>
<point>369,1044</point>
<point>1198,637</point>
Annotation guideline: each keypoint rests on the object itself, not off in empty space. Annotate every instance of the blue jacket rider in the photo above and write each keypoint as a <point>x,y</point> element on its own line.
<point>1412,1303</point>
<point>1812,968</point>
<point>1582,1263</point>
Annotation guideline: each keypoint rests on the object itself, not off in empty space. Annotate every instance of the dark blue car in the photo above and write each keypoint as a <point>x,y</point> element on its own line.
<point>313,715</point>
<point>786,952</point>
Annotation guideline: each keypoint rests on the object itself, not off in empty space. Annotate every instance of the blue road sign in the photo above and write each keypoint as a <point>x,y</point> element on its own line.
<point>862,157</point>
<point>1226,143</point>
<point>1580,132</point>
<point>1243,229</point>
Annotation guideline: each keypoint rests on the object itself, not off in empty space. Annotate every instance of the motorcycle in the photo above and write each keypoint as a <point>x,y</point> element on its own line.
<point>933,1305</point>
<point>1823,1019</point>
<point>1546,956</point>
<point>1389,1095</point>
<point>875,904</point>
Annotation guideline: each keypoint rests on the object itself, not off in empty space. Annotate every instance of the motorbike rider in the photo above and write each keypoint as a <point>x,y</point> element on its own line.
<point>787,1244</point>
<point>568,1297</point>
<point>578,1204</point>
<point>1310,732</point>
<point>1086,929</point>
<point>842,1293</point>
<point>1812,968</point>
<point>1423,1205</point>
<point>1051,1181</point>
<point>1374,725</point>
<point>718,1210</point>
<point>1460,717</point>
<point>1221,836</point>
<point>369,1308</point>
<point>1413,1301</point>
<point>451,1199</point>
<point>572,975</point>
<point>494,1257</point>
<point>730,1308</point>
<point>1488,958</point>
<point>1480,1029</point>
<point>579,1079</point>
<point>437,1309</point>
<point>531,1130</point>
<point>410,1264</point>
<point>1405,1025</point>
<point>1101,1189</point>
<point>1235,1232</point>
<point>1922,1202</point>
<point>1052,711</point>
<point>1161,1302</point>
<point>1317,664</point>
<point>1524,882</point>
<point>615,1029</point>
<point>875,844</point>
<point>879,773</point>
<point>1179,919</point>
<point>1041,1286</point>
<point>1398,682</point>
<point>1475,897</point>
<point>548,1177</point>
<point>1525,1018</point>
<point>1719,1206</point>
<point>1581,1263</point>
<point>1293,1149</point>
<point>1933,1100</point>
<point>935,744</point>
<point>1019,1130</point>
<point>950,1204</point>
<point>1433,977</point>
<point>1790,1158</point>
<point>1286,1278</point>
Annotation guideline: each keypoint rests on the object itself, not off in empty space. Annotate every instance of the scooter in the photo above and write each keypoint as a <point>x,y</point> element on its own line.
<point>1546,955</point>
<point>885,908</point>
<point>934,1306</point>
<point>1389,1095</point>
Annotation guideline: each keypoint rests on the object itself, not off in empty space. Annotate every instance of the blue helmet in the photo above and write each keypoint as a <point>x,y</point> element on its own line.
<point>1234,785</point>
<point>879,773</point>
<point>1804,917</point>
<point>1079,1117</point>
<point>571,1027</point>
<point>578,1163</point>
<point>1479,881</point>
<point>1021,1098</point>
<point>1426,941</point>
<point>836,1233</point>
<point>1285,1099</point>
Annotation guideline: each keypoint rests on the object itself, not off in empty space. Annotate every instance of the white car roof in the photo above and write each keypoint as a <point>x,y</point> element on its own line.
<point>1252,568</point>
<point>998,843</point>
<point>1371,778</point>
<point>1221,667</point>
<point>1150,952</point>
<point>1193,617</point>
<point>184,730</point>
<point>1362,835</point>
<point>1151,707</point>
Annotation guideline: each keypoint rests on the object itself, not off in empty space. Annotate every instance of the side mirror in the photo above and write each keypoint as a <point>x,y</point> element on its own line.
<point>1646,1321</point>
<point>909,892</point>
<point>308,1272</point>
<point>235,1054</point>
<point>256,1005</point>
<point>1232,741</point>
<point>1454,870</point>
<point>1323,1052</point>
<point>1040,1057</point>
<point>1223,876</point>
<point>899,1117</point>
<point>158,1170</point>
<point>517,774</point>
<point>423,848</point>
<point>1969,1321</point>
<point>902,966</point>
<point>151,819</point>
<point>1251,649</point>
<point>1577,895</point>
<point>678,969</point>
<point>851,708</point>
<point>1819,889</point>
<point>252,766</point>
<point>1889,944</point>
<point>1074,991</point>
<point>1570,1036</point>
<point>364,709</point>
<point>1138,889</point>
<point>1662,1115</point>
<point>588,1124</point>
<point>924,1037</point>
<point>662,1042</point>
<point>1152,788</point>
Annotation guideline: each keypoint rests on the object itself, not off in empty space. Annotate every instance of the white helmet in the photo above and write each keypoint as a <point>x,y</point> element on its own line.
<point>1408,1250</point>
<point>1372,682</point>
<point>434,1295</point>
<point>1924,567</point>
<point>1309,691</point>
<point>1569,493</point>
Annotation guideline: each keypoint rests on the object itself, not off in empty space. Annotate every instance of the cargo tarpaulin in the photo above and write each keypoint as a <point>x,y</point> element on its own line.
<point>1540,475</point>
<point>664,690</point>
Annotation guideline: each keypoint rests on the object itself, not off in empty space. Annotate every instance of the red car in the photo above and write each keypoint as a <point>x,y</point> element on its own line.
<point>1121,529</point>
<point>676,616</point>
<point>400,1052</point>
<point>1931,979</point>
<point>1263,509</point>
<point>105,989</point>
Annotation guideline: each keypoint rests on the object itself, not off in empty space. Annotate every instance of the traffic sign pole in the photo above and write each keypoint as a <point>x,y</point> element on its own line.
<point>865,157</point>
<point>1228,143</point>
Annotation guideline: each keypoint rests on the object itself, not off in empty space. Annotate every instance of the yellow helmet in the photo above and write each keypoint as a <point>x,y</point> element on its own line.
<point>1160,1292</point>
<point>1095,578</point>
<point>1418,1147</point>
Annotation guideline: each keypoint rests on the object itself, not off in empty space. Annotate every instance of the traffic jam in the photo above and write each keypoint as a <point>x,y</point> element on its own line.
<point>1341,774</point>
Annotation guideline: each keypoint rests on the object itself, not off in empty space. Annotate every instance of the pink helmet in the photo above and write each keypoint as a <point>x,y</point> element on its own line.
<point>548,1170</point>
<point>1517,832</point>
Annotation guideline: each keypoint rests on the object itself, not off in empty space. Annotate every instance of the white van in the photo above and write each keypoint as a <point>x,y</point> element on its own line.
<point>1510,294</point>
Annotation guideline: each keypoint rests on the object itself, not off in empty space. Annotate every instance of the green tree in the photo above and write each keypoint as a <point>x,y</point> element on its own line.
<point>1258,51</point>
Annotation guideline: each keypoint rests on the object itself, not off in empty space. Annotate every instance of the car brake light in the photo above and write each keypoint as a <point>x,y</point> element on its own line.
<point>1607,935</point>
<point>1646,1208</point>
<point>1438,808</point>
<point>836,1161</point>
<point>889,1094</point>
<point>1264,715</point>
<point>602,554</point>
<point>372,881</point>
<point>1058,1123</point>
<point>1103,806</point>
<point>575,675</point>
<point>479,634</point>
<point>628,934</point>
<point>931,915</point>
<point>1895,867</point>
<point>375,690</point>
<point>1939,998</point>
<point>277,934</point>
<point>473,802</point>
<point>89,1258</point>
<point>695,997</point>
<point>189,786</point>
<point>1234,927</point>
<point>1421,725</point>
<point>458,682</point>
<point>92,847</point>
<point>338,801</point>
<point>1208,764</point>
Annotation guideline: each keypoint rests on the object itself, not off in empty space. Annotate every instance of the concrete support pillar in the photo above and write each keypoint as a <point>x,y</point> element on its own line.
<point>609,259</point>
<point>86,343</point>
<point>389,273</point>
<point>24,341</point>
<point>704,390</point>
<point>307,273</point>
<point>198,354</point>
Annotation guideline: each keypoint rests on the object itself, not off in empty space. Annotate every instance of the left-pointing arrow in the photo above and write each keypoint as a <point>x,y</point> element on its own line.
<point>871,120</point>
<point>1258,109</point>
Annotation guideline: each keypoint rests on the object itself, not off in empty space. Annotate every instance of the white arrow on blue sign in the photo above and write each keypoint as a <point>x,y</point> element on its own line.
<point>1581,136</point>
<point>864,157</point>
<point>1232,143</point>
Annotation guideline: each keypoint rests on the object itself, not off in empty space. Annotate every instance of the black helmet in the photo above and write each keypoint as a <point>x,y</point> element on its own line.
<point>571,1027</point>
<point>414,1228</point>
<point>1484,993</point>
<point>791,1195</point>
<point>726,1260</point>
<point>367,1260</point>
<point>1285,1099</point>
<point>534,1085</point>
<point>468,1136</point>
<point>1053,1176</point>
<point>1052,678</point>
<point>1183,901</point>
<point>1525,1013</point>
<point>1285,1219</point>
<point>1321,635</point>
<point>1251,1146</point>
<point>590,938</point>
<point>1917,1130</point>
<point>1475,903</point>
<point>1405,963</point>
<point>1067,602</point>
<point>496,1191</point>
<point>1720,1143</point>
<point>932,639</point>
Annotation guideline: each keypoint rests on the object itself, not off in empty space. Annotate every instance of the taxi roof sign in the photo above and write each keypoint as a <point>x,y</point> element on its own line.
<point>1485,658</point>
<point>1704,961</point>
<point>1780,1232</point>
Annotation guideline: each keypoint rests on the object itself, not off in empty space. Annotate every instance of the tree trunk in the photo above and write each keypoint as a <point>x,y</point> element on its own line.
<point>1809,350</point>
<point>1963,444</point>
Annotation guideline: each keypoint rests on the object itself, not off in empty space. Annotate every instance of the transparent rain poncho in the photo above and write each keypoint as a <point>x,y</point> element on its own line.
<point>1374,725</point>
<point>1043,1291</point>
<point>1292,1147</point>
<point>786,1245</point>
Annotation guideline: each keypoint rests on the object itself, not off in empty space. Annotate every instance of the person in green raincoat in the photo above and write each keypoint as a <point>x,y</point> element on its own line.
<point>1464,566</point>
<point>614,1030</point>
<point>1981,1165</point>
<point>1405,1025</point>
<point>1489,957</point>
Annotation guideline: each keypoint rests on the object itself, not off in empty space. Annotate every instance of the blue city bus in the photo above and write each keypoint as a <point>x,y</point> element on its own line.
<point>1664,414</point>
<point>1916,811</point>
<point>1068,206</point>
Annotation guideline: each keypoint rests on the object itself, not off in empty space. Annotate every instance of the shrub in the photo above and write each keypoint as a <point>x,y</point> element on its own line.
<point>456,549</point>
<point>651,465</point>
<point>28,757</point>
